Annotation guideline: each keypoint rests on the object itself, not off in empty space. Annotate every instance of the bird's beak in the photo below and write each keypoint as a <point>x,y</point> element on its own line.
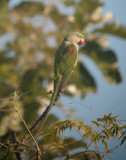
<point>81,42</point>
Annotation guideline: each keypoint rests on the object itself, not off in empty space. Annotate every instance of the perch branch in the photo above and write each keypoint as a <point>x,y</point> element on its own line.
<point>18,154</point>
<point>41,118</point>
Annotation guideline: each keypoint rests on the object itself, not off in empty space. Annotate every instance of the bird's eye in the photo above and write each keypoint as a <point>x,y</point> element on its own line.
<point>81,42</point>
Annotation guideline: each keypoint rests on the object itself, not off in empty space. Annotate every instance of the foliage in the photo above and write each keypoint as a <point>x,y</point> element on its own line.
<point>108,127</point>
<point>53,144</point>
<point>114,29</point>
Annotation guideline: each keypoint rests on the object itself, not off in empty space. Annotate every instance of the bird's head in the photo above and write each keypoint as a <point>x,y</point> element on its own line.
<point>75,37</point>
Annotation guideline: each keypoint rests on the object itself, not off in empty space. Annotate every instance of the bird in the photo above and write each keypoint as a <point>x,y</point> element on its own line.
<point>65,61</point>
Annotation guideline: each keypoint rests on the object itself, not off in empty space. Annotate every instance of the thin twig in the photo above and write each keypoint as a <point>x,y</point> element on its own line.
<point>38,149</point>
<point>3,145</point>
<point>92,112</point>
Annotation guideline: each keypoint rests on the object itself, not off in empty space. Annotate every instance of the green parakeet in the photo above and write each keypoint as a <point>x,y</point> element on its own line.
<point>65,61</point>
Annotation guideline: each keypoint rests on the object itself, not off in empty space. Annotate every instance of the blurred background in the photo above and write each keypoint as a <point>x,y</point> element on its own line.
<point>30,32</point>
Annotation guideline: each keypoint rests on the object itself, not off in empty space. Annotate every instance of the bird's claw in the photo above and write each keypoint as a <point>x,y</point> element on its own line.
<point>50,92</point>
<point>72,72</point>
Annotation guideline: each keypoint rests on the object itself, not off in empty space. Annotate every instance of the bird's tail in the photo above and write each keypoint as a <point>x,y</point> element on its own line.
<point>55,97</point>
<point>45,114</point>
<point>43,117</point>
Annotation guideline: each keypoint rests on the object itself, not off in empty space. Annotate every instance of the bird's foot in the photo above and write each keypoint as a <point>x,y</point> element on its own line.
<point>50,92</point>
<point>72,72</point>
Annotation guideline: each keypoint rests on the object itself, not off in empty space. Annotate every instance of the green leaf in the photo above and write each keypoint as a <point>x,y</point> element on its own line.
<point>105,59</point>
<point>97,155</point>
<point>105,144</point>
<point>99,119</point>
<point>110,132</point>
<point>106,134</point>
<point>123,140</point>
<point>113,29</point>
<point>116,130</point>
<point>122,134</point>
<point>95,123</point>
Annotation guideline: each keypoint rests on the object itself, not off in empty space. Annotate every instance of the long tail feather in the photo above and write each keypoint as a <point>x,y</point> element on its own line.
<point>53,100</point>
<point>45,114</point>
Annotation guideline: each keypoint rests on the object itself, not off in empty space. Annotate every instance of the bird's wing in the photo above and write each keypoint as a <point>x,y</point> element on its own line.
<point>65,61</point>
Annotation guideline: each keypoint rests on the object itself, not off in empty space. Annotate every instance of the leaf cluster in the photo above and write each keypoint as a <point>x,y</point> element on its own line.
<point>108,127</point>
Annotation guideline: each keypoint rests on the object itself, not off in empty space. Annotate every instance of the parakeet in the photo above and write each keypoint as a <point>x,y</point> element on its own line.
<point>65,61</point>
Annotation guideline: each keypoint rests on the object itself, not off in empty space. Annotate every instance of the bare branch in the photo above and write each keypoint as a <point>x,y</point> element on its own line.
<point>18,154</point>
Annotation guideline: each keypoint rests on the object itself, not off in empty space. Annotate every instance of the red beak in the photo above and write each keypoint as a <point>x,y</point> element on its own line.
<point>81,42</point>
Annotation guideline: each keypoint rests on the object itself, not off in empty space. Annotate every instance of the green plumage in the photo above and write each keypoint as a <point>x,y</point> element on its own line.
<point>65,61</point>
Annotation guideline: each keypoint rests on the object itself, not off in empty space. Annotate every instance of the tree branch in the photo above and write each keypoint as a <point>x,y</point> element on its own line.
<point>18,154</point>
<point>42,117</point>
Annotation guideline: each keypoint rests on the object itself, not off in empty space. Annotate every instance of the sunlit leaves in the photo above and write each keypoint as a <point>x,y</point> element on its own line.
<point>123,140</point>
<point>4,11</point>
<point>114,29</point>
<point>108,127</point>
<point>105,131</point>
<point>95,123</point>
<point>29,9</point>
<point>105,59</point>
<point>9,120</point>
